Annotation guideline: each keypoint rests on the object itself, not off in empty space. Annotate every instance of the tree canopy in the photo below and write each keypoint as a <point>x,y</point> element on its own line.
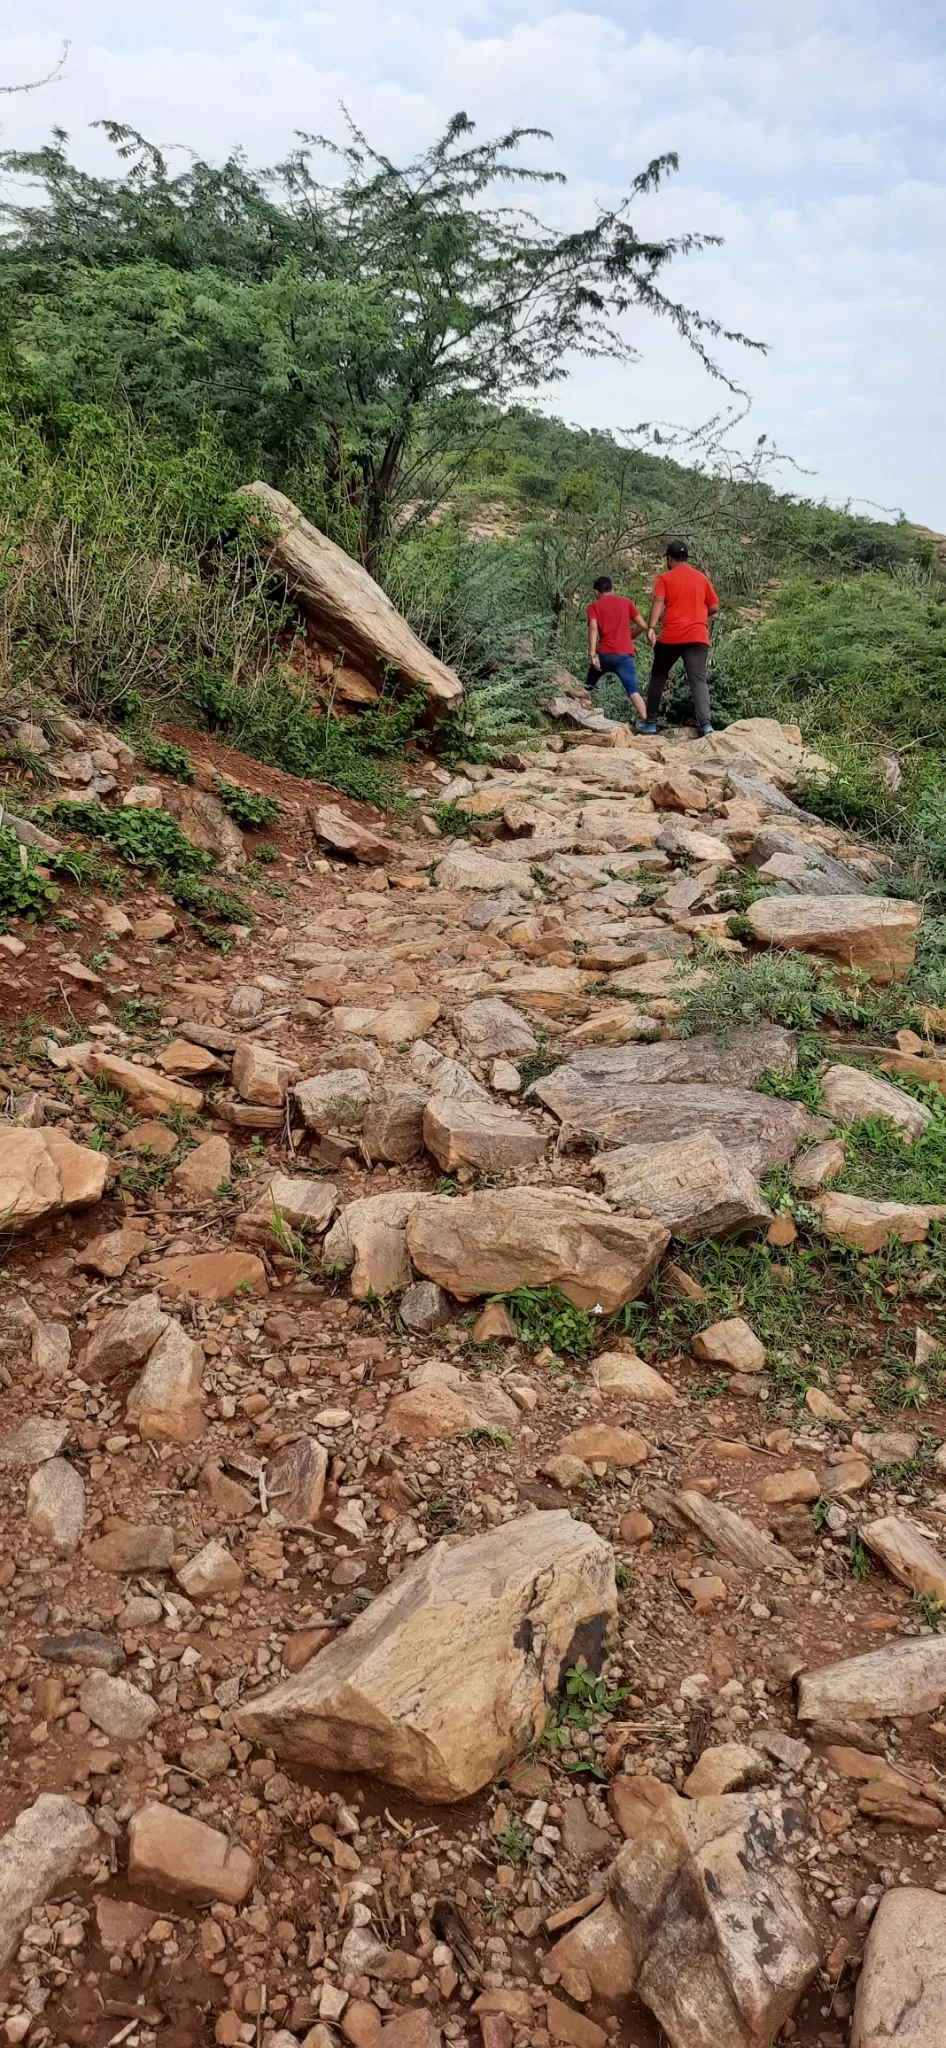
<point>344,332</point>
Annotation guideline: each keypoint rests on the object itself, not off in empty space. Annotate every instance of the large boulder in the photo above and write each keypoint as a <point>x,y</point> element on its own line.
<point>43,1847</point>
<point>825,876</point>
<point>901,1992</point>
<point>758,1131</point>
<point>600,1077</point>
<point>491,1029</point>
<point>346,603</point>
<point>369,1236</point>
<point>903,1678</point>
<point>499,1239</point>
<point>442,1401</point>
<point>692,1185</point>
<point>877,933</point>
<point>43,1173</point>
<point>852,1095</point>
<point>480,1134</point>
<point>449,1674</point>
<point>722,1944</point>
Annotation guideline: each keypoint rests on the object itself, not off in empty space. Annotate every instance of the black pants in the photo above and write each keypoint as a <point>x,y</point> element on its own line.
<point>693,654</point>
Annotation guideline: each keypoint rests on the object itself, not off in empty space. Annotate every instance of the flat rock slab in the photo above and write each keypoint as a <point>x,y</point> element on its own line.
<point>758,1131</point>
<point>904,1678</point>
<point>44,1846</point>
<point>176,1853</point>
<point>901,1991</point>
<point>596,1077</point>
<point>291,1202</point>
<point>495,1241</point>
<point>464,868</point>
<point>866,1226</point>
<point>152,1093</point>
<point>212,1276</point>
<point>447,1676</point>
<point>490,1137</point>
<point>622,1372</point>
<point>734,1535</point>
<point>908,1555</point>
<point>692,1185</point>
<point>877,933</point>
<point>851,1095</point>
<point>442,1402</point>
<point>492,1029</point>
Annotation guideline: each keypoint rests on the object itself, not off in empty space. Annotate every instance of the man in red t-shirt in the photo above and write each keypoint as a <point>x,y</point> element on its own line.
<point>613,626</point>
<point>684,599</point>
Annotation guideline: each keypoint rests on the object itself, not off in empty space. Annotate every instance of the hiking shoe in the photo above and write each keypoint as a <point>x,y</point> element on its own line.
<point>650,730</point>
<point>705,732</point>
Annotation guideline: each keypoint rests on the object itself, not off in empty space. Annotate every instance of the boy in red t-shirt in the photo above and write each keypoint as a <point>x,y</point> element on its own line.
<point>613,626</point>
<point>684,599</point>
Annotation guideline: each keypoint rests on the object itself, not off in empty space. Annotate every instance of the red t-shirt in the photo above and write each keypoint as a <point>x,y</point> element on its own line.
<point>614,615</point>
<point>688,597</point>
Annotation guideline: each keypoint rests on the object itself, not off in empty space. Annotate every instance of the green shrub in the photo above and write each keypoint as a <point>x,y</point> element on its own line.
<point>164,758</point>
<point>24,890</point>
<point>249,807</point>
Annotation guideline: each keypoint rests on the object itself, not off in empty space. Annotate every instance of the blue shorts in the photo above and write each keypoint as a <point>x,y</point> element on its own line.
<point>621,665</point>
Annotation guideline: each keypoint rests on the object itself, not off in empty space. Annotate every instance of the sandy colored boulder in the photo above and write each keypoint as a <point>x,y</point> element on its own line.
<point>295,1481</point>
<point>886,1446</point>
<point>210,1572</point>
<point>850,1476</point>
<point>124,1337</point>
<point>46,1843</point>
<point>55,1505</point>
<point>866,1226</point>
<point>132,1547</point>
<point>296,1203</point>
<point>152,1093</point>
<point>497,1240</point>
<point>488,1136</point>
<point>390,1023</point>
<point>113,1253</point>
<point>150,1136</point>
<point>175,1853</point>
<point>122,1711</point>
<point>908,1555</point>
<point>730,1343</point>
<point>901,1991</point>
<point>672,789</point>
<point>851,1095</point>
<point>877,933</point>
<point>442,1401</point>
<point>634,1801</point>
<point>438,1075</point>
<point>394,1126</point>
<point>447,1676</point>
<point>550,991</point>
<point>730,1767</point>
<point>42,1173</point>
<point>370,1236</point>
<point>208,825</point>
<point>200,1175</point>
<point>600,1947</point>
<point>165,1403</point>
<point>464,867</point>
<point>345,835</point>
<point>492,1029</point>
<point>348,607</point>
<point>903,1678</point>
<point>494,1325</point>
<point>783,1488</point>
<point>820,1163</point>
<point>259,1075</point>
<point>212,1276</point>
<point>184,1059</point>
<point>692,1185</point>
<point>601,1443</point>
<point>335,1101</point>
<point>716,1918</point>
<point>620,1372</point>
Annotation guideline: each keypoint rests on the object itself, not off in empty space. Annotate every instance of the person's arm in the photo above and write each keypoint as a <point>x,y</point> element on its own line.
<point>712,603</point>
<point>593,638</point>
<point>656,614</point>
<point>637,623</point>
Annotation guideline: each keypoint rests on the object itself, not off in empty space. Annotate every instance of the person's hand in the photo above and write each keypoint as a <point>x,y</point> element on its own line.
<point>652,637</point>
<point>596,662</point>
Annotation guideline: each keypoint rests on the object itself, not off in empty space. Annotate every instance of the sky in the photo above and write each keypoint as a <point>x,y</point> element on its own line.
<point>810,135</point>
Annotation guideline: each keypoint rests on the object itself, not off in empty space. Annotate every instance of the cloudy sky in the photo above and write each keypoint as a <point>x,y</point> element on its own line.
<point>810,135</point>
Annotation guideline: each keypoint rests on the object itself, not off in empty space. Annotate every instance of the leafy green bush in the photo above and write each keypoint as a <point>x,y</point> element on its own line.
<point>249,807</point>
<point>164,758</point>
<point>150,840</point>
<point>543,1315</point>
<point>24,890</point>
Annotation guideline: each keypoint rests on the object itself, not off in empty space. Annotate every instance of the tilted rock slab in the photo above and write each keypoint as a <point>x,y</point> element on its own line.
<point>497,1240</point>
<point>442,1401</point>
<point>370,1236</point>
<point>43,1847</point>
<point>43,1173</point>
<point>487,1136</point>
<point>722,1944</point>
<point>903,1678</point>
<point>825,875</point>
<point>692,1185</point>
<point>908,1555</point>
<point>599,1075</point>
<point>448,1675</point>
<point>901,1991</point>
<point>850,1095</point>
<point>346,603</point>
<point>152,1093</point>
<point>758,1131</point>
<point>734,1535</point>
<point>866,1226</point>
<point>874,932</point>
<point>177,1853</point>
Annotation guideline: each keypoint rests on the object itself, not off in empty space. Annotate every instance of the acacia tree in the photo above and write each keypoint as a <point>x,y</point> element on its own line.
<point>345,331</point>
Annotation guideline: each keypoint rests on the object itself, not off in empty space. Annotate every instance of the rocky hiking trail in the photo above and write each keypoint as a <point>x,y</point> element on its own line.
<point>473,1550</point>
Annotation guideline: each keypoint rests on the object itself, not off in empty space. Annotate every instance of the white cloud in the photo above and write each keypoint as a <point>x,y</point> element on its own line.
<point>809,137</point>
